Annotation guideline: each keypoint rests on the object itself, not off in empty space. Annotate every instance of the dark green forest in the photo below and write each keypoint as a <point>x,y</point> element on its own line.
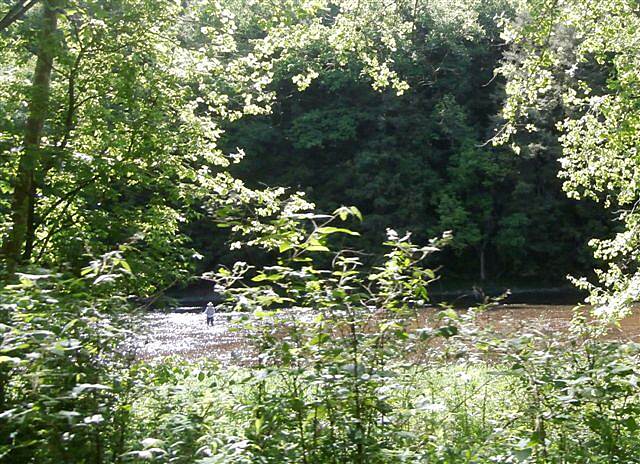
<point>320,183</point>
<point>424,161</point>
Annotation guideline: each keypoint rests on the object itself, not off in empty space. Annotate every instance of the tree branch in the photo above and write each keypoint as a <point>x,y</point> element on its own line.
<point>66,197</point>
<point>16,12</point>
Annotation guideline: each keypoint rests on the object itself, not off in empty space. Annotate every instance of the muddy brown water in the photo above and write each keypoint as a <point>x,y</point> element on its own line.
<point>187,336</point>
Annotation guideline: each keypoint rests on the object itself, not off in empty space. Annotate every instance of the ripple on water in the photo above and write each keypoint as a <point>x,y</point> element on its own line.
<point>187,335</point>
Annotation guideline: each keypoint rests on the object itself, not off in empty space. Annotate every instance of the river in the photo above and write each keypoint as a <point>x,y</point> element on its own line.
<point>186,335</point>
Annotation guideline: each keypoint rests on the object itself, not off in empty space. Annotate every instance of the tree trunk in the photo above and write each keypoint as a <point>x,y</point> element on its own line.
<point>483,270</point>
<point>31,230</point>
<point>23,202</point>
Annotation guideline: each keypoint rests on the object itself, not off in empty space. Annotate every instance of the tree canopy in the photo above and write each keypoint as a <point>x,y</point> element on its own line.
<point>582,58</point>
<point>113,143</point>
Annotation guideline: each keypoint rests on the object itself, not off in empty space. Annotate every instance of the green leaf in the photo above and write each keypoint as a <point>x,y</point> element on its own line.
<point>334,230</point>
<point>9,360</point>
<point>285,247</point>
<point>125,265</point>
<point>258,423</point>
<point>448,331</point>
<point>317,248</point>
<point>523,454</point>
<point>356,212</point>
<point>267,277</point>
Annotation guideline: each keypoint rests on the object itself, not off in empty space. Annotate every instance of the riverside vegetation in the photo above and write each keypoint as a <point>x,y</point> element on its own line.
<point>114,119</point>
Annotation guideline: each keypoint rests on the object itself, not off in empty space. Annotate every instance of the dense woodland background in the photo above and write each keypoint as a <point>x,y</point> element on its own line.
<point>424,161</point>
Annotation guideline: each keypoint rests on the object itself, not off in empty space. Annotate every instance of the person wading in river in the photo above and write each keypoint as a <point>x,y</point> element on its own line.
<point>210,310</point>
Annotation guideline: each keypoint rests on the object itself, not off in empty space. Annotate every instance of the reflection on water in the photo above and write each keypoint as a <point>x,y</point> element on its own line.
<point>550,319</point>
<point>187,335</point>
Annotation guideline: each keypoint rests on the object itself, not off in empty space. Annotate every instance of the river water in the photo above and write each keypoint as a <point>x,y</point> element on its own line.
<point>186,334</point>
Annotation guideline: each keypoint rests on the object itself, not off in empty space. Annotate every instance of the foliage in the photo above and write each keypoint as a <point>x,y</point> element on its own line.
<point>137,96</point>
<point>579,394</point>
<point>534,407</point>
<point>584,57</point>
<point>113,150</point>
<point>342,357</point>
<point>335,346</point>
<point>65,387</point>
<point>422,161</point>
